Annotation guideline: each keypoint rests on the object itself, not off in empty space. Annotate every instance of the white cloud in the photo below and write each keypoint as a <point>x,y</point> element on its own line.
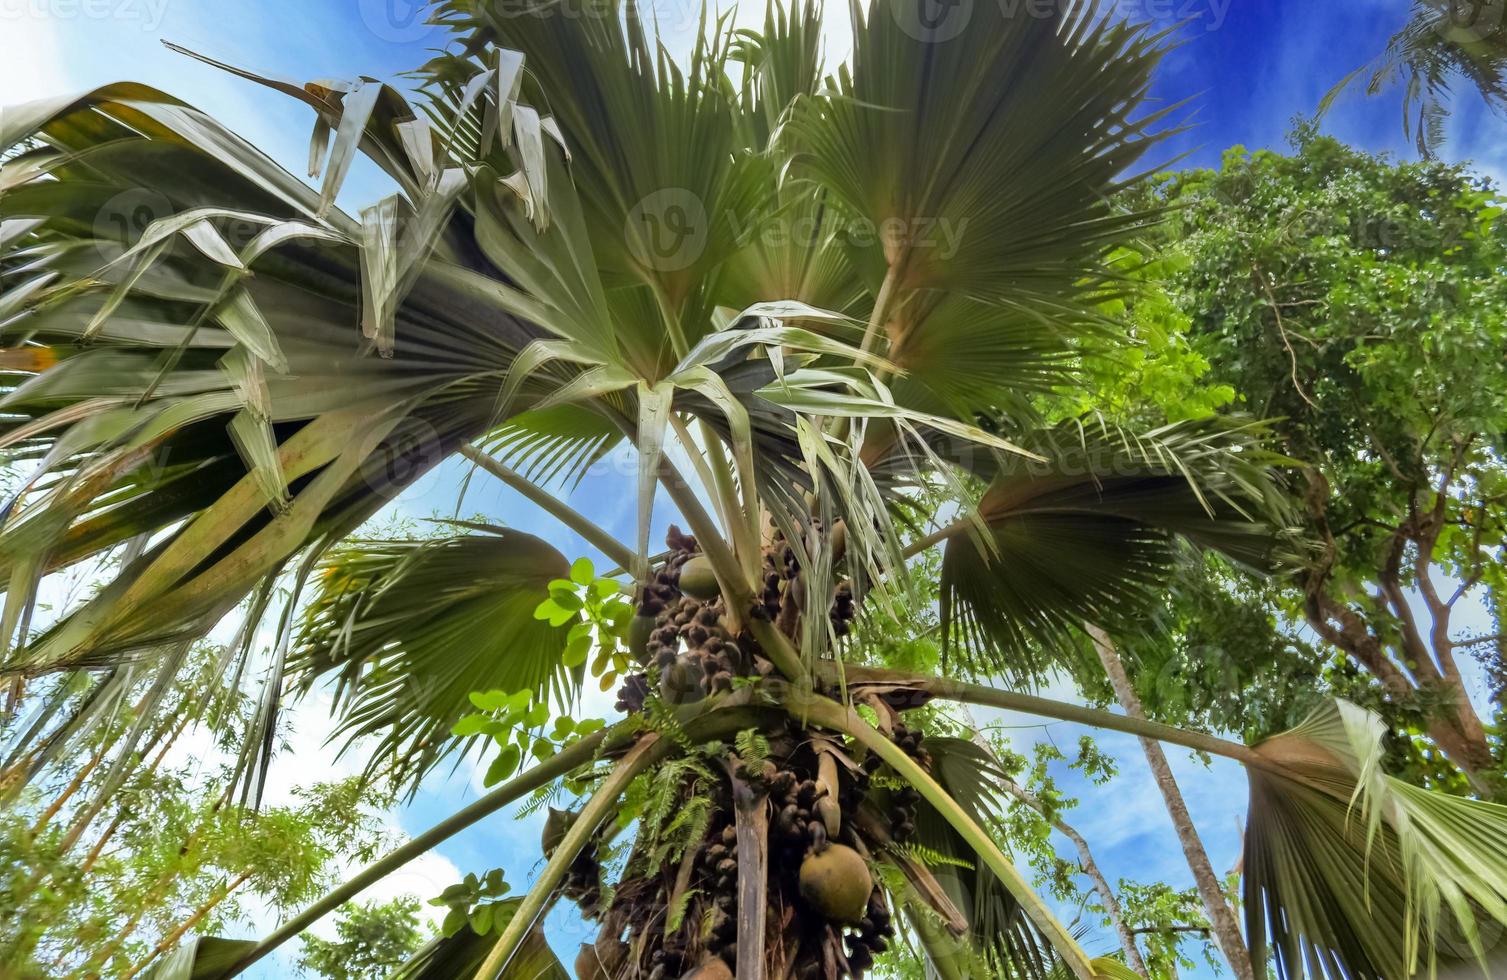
<point>33,66</point>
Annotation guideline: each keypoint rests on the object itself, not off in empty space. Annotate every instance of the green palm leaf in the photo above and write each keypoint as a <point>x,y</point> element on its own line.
<point>1090,534</point>
<point>936,127</point>
<point>208,396</point>
<point>199,958</point>
<point>410,628</point>
<point>462,954</point>
<point>1351,872</point>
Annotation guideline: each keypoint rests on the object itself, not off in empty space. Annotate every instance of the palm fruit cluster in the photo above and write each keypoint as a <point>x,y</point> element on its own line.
<point>903,801</point>
<point>825,909</point>
<point>719,861</point>
<point>827,919</point>
<point>679,633</point>
<point>872,936</point>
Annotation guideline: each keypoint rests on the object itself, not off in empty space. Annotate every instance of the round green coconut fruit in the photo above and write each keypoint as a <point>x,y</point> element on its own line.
<point>837,883</point>
<point>640,628</point>
<point>697,579</point>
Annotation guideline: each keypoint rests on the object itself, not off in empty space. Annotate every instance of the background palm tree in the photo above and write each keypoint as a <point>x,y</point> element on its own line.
<point>834,295</point>
<point>1443,42</point>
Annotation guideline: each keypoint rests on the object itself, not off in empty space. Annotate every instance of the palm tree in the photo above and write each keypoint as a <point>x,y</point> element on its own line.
<point>834,295</point>
<point>1444,41</point>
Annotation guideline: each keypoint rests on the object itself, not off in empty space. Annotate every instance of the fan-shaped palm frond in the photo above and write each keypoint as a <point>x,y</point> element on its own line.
<point>411,628</point>
<point>932,134</point>
<point>1442,42</point>
<point>999,933</point>
<point>1089,535</point>
<point>186,393</point>
<point>1350,872</point>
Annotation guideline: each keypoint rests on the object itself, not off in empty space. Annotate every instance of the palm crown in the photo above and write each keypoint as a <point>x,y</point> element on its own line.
<point>837,295</point>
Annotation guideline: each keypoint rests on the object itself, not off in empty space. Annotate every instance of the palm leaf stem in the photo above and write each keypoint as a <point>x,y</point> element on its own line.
<point>701,462</point>
<point>713,719</point>
<point>951,690</point>
<point>569,516</point>
<point>649,750</point>
<point>830,714</point>
<point>558,765</point>
<point>934,538</point>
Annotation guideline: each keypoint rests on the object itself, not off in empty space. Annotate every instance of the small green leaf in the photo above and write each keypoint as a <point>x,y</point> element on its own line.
<point>576,651</point>
<point>503,766</point>
<point>537,715</point>
<point>582,572</point>
<point>543,749</point>
<point>519,701</point>
<point>561,585</point>
<point>470,725</point>
<point>481,919</point>
<point>606,588</point>
<point>455,921</point>
<point>489,700</point>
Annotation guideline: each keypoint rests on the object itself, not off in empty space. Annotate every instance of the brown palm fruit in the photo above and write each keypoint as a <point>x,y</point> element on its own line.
<point>602,960</point>
<point>837,883</point>
<point>712,969</point>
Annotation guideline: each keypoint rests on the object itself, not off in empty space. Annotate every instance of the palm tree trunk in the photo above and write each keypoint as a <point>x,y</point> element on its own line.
<point>752,821</point>
<point>1221,916</point>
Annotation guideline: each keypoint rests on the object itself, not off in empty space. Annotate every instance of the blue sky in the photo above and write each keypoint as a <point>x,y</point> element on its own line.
<point>1249,66</point>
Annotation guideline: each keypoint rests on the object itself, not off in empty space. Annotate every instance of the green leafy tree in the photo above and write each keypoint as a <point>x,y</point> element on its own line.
<point>107,875</point>
<point>371,940</point>
<point>812,287</point>
<point>1358,301</point>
